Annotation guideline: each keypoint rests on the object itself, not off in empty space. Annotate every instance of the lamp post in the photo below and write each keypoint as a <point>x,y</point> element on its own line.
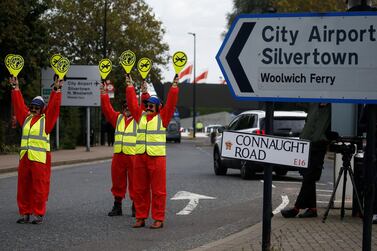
<point>194,89</point>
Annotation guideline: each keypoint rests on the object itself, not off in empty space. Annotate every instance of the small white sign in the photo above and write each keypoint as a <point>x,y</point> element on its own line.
<point>110,90</point>
<point>268,149</point>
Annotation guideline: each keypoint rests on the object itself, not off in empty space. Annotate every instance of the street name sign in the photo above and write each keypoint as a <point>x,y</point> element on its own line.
<point>267,149</point>
<point>325,57</point>
<point>81,87</point>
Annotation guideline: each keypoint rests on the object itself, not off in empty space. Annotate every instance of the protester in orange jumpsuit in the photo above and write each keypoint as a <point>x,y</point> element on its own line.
<point>150,165</point>
<point>123,161</point>
<point>35,157</point>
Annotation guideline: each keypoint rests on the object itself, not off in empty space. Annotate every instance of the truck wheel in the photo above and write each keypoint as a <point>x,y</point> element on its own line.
<point>281,172</point>
<point>246,171</point>
<point>218,166</point>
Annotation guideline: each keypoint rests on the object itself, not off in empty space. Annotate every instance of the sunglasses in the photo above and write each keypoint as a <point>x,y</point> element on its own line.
<point>150,106</point>
<point>34,108</point>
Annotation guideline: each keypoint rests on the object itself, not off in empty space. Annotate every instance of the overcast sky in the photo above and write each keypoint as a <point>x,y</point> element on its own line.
<point>206,18</point>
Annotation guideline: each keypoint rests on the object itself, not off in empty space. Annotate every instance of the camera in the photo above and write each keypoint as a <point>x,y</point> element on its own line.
<point>343,147</point>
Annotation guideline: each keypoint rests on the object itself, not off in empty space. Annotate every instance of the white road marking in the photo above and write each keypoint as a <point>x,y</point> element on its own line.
<point>288,182</point>
<point>324,195</point>
<point>193,201</point>
<point>273,186</point>
<point>322,202</point>
<point>284,203</point>
<point>321,184</point>
<point>322,190</point>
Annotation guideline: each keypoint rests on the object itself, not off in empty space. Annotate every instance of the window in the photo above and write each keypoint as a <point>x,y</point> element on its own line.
<point>233,124</point>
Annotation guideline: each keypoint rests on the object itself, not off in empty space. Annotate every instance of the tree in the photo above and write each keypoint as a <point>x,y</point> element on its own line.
<point>22,32</point>
<point>310,6</point>
<point>283,6</point>
<point>76,30</point>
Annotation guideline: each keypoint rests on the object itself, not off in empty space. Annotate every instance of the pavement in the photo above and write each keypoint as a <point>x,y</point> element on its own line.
<point>286,234</point>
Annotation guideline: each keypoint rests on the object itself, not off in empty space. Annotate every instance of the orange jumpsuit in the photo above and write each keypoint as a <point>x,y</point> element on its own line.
<point>122,165</point>
<point>150,171</point>
<point>34,177</point>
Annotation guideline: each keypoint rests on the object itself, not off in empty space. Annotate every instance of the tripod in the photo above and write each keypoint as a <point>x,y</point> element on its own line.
<point>347,152</point>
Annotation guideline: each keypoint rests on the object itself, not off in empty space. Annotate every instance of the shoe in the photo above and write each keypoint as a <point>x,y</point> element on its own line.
<point>289,213</point>
<point>24,220</point>
<point>37,220</point>
<point>139,223</point>
<point>157,224</point>
<point>133,210</point>
<point>309,213</point>
<point>117,210</point>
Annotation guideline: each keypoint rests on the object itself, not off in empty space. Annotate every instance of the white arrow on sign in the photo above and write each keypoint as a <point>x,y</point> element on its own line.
<point>194,200</point>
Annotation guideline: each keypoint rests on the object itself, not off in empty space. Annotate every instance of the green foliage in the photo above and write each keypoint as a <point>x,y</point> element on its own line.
<point>310,6</point>
<point>70,127</point>
<point>77,30</point>
<point>6,148</point>
<point>283,6</point>
<point>23,32</point>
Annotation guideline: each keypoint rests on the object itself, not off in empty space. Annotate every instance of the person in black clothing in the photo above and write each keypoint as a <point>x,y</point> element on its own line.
<point>110,134</point>
<point>316,127</point>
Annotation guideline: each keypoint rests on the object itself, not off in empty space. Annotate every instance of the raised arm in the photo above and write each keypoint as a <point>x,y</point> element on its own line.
<point>18,103</point>
<point>107,109</point>
<point>144,94</point>
<point>53,107</point>
<point>167,111</point>
<point>131,98</point>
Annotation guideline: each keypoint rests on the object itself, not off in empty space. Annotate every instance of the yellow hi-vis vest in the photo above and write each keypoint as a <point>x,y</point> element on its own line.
<point>151,136</point>
<point>125,138</point>
<point>34,140</point>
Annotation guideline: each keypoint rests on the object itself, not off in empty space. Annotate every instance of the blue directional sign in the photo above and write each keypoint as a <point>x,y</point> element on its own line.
<point>327,57</point>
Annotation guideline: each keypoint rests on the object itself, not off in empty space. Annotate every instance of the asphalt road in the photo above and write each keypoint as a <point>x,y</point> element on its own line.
<point>80,199</point>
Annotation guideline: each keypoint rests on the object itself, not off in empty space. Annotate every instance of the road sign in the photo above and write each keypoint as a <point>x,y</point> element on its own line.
<point>14,64</point>
<point>60,65</point>
<point>267,149</point>
<point>110,89</point>
<point>81,87</point>
<point>327,57</point>
<point>105,66</point>
<point>179,61</point>
<point>144,65</point>
<point>127,59</point>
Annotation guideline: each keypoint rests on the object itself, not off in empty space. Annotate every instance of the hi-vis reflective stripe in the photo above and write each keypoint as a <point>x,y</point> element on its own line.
<point>37,137</point>
<point>127,133</point>
<point>155,143</point>
<point>125,143</point>
<point>38,149</point>
<point>119,120</point>
<point>34,142</point>
<point>125,137</point>
<point>159,125</point>
<point>156,132</point>
<point>27,121</point>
